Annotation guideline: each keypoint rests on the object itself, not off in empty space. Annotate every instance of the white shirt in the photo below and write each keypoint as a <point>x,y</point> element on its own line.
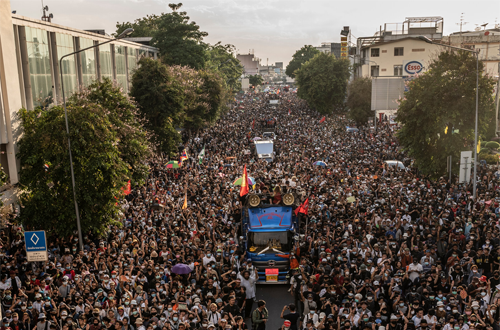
<point>414,269</point>
<point>249,285</point>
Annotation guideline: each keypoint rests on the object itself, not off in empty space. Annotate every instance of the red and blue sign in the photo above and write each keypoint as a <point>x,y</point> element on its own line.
<point>413,67</point>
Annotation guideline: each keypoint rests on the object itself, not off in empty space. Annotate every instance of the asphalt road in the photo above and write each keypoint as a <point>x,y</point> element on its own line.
<point>276,296</point>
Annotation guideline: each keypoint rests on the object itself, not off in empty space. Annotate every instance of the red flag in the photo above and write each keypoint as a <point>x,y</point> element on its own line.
<point>127,189</point>
<point>253,124</point>
<point>303,207</point>
<point>289,112</point>
<point>322,119</point>
<point>244,183</point>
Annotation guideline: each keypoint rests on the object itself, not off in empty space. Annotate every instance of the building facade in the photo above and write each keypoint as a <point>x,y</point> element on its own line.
<point>30,53</point>
<point>250,64</point>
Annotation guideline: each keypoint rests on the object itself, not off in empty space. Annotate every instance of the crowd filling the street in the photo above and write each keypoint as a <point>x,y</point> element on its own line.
<point>379,247</point>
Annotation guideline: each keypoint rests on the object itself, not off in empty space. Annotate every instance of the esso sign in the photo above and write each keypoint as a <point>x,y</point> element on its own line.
<point>413,67</point>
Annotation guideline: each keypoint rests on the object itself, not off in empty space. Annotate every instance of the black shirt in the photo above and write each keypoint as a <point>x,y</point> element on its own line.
<point>293,318</point>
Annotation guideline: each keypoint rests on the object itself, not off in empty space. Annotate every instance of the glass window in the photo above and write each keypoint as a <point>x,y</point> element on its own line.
<point>39,66</point>
<point>88,62</point>
<point>132,61</point>
<point>105,61</point>
<point>121,68</point>
<point>398,70</point>
<point>398,51</point>
<point>142,53</point>
<point>65,46</point>
<point>375,52</point>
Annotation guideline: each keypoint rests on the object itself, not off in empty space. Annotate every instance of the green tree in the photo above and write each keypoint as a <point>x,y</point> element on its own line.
<point>221,60</point>
<point>100,172</point>
<point>438,103</point>
<point>160,97</point>
<point>300,57</point>
<point>124,116</point>
<point>180,41</point>
<point>255,80</point>
<point>359,99</point>
<point>143,27</point>
<point>322,82</point>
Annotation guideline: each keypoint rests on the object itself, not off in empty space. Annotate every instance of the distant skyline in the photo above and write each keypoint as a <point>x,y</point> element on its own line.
<point>274,29</point>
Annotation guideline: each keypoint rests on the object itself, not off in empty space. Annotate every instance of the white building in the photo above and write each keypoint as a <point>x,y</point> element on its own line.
<point>30,50</point>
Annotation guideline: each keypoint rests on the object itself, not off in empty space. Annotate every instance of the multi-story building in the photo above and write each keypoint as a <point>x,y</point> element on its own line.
<point>330,48</point>
<point>250,63</point>
<point>30,51</point>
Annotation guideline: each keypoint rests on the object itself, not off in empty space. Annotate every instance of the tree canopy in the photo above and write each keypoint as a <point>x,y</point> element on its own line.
<point>143,27</point>
<point>322,82</point>
<point>299,58</point>
<point>160,99</point>
<point>180,41</point>
<point>255,80</point>
<point>100,172</point>
<point>221,60</point>
<point>359,99</point>
<point>437,113</point>
<point>123,114</point>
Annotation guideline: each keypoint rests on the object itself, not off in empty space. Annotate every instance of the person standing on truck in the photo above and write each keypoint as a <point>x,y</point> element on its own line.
<point>260,316</point>
<point>248,281</point>
<point>294,262</point>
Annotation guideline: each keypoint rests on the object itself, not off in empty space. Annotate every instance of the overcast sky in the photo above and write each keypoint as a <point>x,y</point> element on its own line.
<point>274,29</point>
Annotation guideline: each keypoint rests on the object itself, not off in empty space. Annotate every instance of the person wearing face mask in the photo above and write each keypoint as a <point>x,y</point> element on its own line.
<point>42,324</point>
<point>16,324</point>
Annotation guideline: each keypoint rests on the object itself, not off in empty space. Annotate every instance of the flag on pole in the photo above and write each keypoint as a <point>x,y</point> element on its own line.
<point>478,145</point>
<point>303,207</point>
<point>244,182</point>
<point>184,156</point>
<point>201,155</point>
<point>446,130</point>
<point>322,119</point>
<point>289,111</point>
<point>127,189</point>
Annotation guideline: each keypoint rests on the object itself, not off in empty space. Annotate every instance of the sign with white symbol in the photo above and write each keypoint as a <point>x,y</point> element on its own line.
<point>36,245</point>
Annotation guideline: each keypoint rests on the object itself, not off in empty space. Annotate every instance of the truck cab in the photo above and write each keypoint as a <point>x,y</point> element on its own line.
<point>268,231</point>
<point>264,149</point>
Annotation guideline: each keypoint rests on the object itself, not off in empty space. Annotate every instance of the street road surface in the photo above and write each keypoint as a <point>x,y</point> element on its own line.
<point>275,296</point>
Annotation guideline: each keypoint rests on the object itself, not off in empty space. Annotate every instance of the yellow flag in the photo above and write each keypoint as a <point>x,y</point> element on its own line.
<point>478,145</point>
<point>446,130</point>
<point>185,205</point>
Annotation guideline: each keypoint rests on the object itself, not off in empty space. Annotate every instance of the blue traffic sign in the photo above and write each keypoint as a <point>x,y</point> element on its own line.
<point>35,241</point>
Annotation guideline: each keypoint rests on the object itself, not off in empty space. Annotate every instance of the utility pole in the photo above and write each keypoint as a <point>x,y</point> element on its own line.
<point>461,23</point>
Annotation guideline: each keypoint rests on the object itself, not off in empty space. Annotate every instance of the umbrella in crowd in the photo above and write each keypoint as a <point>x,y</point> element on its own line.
<point>319,163</point>
<point>181,269</point>
<point>237,182</point>
<point>173,164</point>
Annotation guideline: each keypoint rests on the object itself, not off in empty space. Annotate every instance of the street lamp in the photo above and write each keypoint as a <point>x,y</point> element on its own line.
<point>423,38</point>
<point>122,35</point>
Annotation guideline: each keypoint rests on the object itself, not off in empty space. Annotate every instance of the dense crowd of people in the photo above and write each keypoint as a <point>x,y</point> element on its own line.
<point>385,248</point>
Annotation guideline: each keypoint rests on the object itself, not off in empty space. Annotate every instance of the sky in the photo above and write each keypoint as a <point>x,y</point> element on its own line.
<point>273,29</point>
